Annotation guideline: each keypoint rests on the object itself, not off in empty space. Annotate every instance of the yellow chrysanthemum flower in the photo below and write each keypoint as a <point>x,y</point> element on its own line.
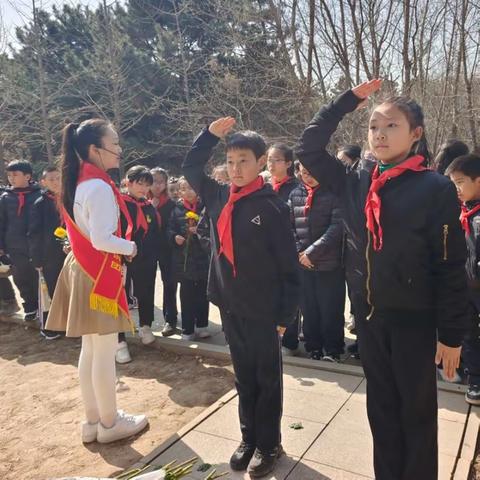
<point>193,216</point>
<point>60,232</point>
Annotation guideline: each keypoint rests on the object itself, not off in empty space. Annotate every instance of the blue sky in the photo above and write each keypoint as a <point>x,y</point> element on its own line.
<point>15,13</point>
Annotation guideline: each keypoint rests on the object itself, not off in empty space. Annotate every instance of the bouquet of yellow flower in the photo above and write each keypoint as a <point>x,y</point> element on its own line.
<point>192,220</point>
<point>62,237</point>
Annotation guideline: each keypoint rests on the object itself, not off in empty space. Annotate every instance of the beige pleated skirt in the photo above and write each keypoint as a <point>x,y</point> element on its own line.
<point>70,310</point>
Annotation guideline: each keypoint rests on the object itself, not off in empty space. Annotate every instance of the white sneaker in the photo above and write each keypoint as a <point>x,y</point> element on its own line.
<point>89,432</point>
<point>123,355</point>
<point>203,332</point>
<point>125,426</point>
<point>189,338</point>
<point>288,352</point>
<point>146,335</point>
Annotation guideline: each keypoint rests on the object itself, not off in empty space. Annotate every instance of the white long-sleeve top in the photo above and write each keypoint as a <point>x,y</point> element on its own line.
<point>96,213</point>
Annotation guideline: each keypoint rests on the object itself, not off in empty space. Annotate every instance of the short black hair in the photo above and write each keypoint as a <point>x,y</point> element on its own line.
<point>469,165</point>
<point>248,140</point>
<point>449,151</point>
<point>139,173</point>
<point>50,169</point>
<point>23,166</point>
<point>353,151</point>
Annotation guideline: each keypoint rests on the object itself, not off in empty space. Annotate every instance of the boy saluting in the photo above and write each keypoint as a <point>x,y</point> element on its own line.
<point>253,280</point>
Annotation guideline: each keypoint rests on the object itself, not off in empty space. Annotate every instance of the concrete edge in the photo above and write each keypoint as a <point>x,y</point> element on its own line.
<point>170,441</point>
<point>469,445</point>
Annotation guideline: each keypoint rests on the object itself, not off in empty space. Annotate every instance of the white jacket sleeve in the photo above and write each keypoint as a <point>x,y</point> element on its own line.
<point>102,219</point>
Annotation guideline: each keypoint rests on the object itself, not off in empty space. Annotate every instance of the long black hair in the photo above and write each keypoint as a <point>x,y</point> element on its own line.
<point>449,151</point>
<point>76,140</point>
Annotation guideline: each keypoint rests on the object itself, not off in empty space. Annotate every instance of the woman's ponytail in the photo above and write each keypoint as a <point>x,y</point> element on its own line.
<point>70,166</point>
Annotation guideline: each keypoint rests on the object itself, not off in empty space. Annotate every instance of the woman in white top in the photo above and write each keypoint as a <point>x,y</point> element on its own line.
<point>83,303</point>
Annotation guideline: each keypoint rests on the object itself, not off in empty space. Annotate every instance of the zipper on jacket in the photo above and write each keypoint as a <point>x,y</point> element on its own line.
<point>369,274</point>
<point>445,237</point>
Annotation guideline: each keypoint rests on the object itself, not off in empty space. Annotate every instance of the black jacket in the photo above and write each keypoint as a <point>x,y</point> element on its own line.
<point>14,223</point>
<point>285,190</point>
<point>320,233</point>
<point>165,248</point>
<point>148,243</point>
<point>190,260</point>
<point>473,258</point>
<point>419,275</point>
<point>45,249</point>
<point>266,286</point>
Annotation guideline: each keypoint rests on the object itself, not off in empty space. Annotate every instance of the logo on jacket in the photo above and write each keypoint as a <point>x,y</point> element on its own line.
<point>256,220</point>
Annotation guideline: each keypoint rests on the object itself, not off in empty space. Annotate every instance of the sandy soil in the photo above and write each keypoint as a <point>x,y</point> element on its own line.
<point>40,407</point>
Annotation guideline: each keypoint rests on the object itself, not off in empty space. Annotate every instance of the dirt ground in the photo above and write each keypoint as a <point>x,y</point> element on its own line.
<point>41,410</point>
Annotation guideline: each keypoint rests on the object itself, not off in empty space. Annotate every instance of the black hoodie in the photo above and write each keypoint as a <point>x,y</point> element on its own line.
<point>14,218</point>
<point>266,287</point>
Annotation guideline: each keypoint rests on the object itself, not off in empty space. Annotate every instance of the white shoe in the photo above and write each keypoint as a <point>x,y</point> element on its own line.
<point>125,426</point>
<point>123,355</point>
<point>89,432</point>
<point>288,352</point>
<point>146,335</point>
<point>189,338</point>
<point>203,332</point>
<point>456,379</point>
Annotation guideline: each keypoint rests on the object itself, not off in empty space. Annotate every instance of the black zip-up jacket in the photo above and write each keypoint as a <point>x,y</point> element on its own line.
<point>148,243</point>
<point>14,226</point>
<point>473,258</point>
<point>45,248</point>
<point>190,262</point>
<point>266,286</point>
<point>419,275</point>
<point>165,248</point>
<point>285,190</point>
<point>320,233</point>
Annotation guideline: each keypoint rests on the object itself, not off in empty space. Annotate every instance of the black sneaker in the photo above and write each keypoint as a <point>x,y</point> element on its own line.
<point>264,463</point>
<point>473,394</point>
<point>169,329</point>
<point>241,457</point>
<point>316,355</point>
<point>30,317</point>
<point>50,335</point>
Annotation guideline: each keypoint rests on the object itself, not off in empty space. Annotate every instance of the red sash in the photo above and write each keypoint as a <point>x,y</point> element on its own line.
<point>105,269</point>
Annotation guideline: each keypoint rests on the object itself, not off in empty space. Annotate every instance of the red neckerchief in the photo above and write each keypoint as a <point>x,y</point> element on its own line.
<point>192,207</point>
<point>224,222</point>
<point>278,185</point>
<point>310,193</point>
<point>89,171</point>
<point>21,198</point>
<point>141,221</point>
<point>373,203</point>
<point>162,200</point>
<point>465,215</point>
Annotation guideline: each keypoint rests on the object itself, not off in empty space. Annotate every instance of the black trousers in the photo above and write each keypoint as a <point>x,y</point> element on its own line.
<point>290,337</point>
<point>51,272</point>
<point>194,304</point>
<point>322,302</point>
<point>169,307</point>
<point>143,276</point>
<point>471,350</point>
<point>26,279</point>
<point>6,290</point>
<point>257,363</point>
<point>399,364</point>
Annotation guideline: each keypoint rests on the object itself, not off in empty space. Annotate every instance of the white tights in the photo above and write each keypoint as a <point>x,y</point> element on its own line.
<point>96,370</point>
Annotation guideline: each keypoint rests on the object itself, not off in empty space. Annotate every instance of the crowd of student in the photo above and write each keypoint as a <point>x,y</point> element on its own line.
<point>382,226</point>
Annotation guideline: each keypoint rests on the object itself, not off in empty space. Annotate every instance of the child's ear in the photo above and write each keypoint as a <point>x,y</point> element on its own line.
<point>417,133</point>
<point>262,161</point>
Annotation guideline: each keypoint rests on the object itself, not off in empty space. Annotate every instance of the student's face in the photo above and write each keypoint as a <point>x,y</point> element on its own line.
<point>389,135</point>
<point>173,190</point>
<point>243,167</point>
<point>221,175</point>
<point>277,165</point>
<point>52,181</point>
<point>186,192</point>
<point>159,184</point>
<point>307,178</point>
<point>18,179</point>
<point>109,155</point>
<point>138,189</point>
<point>467,189</point>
